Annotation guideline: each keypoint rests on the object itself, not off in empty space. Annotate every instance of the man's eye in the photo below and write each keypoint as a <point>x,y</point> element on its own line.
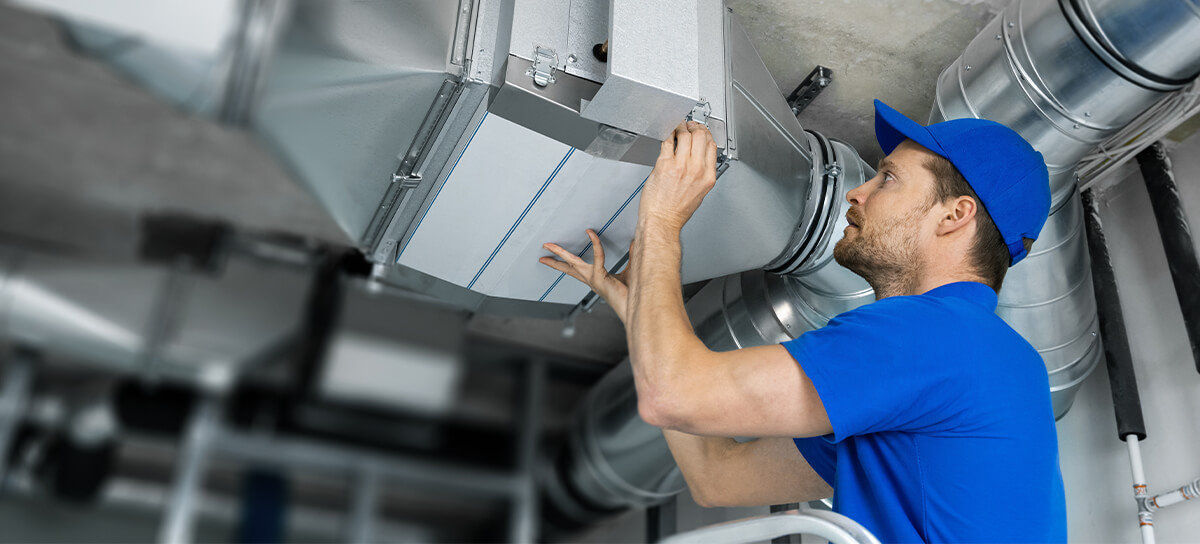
<point>887,176</point>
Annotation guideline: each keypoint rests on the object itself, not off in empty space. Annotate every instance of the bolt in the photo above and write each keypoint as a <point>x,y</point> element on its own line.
<point>1087,114</point>
<point>1010,25</point>
<point>823,82</point>
<point>1075,125</point>
<point>968,67</point>
<point>572,58</point>
<point>997,36</point>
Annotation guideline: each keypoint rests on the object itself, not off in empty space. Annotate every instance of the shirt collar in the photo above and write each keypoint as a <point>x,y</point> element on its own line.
<point>967,290</point>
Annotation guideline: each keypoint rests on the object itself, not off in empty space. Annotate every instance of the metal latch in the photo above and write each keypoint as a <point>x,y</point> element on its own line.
<point>545,60</point>
<point>700,113</point>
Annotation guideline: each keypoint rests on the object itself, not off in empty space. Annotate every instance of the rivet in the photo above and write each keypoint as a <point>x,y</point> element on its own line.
<point>572,58</point>
<point>1087,114</point>
<point>968,67</point>
<point>1010,25</point>
<point>1075,126</point>
<point>997,36</point>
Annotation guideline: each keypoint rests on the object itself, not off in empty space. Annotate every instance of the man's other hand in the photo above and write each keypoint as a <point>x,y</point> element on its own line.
<point>612,287</point>
<point>685,172</point>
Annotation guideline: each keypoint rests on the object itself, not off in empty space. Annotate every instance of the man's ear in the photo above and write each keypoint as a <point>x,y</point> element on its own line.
<point>957,214</point>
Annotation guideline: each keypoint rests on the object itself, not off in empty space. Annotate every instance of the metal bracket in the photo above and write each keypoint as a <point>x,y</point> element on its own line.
<point>545,61</point>
<point>700,113</point>
<point>833,170</point>
<point>818,79</point>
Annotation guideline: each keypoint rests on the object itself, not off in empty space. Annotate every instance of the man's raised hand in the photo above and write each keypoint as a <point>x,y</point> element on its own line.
<point>685,172</point>
<point>612,287</point>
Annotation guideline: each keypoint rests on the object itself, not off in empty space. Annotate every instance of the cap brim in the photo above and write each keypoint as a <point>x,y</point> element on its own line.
<point>892,128</point>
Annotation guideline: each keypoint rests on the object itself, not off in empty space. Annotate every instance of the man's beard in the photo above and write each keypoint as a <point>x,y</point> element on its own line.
<point>884,253</point>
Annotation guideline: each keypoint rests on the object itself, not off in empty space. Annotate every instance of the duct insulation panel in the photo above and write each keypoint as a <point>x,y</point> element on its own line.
<point>488,236</point>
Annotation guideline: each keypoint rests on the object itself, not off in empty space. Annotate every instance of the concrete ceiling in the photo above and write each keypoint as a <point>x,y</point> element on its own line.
<point>892,50</point>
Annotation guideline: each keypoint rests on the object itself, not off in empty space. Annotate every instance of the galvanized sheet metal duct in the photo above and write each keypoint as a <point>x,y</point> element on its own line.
<point>1066,75</point>
<point>112,314</point>
<point>406,118</point>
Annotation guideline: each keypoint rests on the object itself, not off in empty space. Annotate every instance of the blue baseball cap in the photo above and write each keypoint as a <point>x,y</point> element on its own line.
<point>1007,173</point>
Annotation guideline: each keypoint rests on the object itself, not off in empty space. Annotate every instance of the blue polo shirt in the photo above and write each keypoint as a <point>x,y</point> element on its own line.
<point>942,425</point>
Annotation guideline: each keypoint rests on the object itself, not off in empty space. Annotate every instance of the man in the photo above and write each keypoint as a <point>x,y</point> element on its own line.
<point>926,415</point>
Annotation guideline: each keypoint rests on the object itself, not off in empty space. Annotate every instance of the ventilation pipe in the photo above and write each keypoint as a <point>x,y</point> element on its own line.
<point>1065,75</point>
<point>112,314</point>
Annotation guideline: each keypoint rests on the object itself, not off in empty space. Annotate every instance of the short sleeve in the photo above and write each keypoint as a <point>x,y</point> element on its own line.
<point>879,368</point>
<point>820,454</point>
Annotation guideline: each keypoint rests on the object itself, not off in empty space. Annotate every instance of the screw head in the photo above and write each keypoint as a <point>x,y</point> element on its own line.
<point>572,58</point>
<point>967,67</point>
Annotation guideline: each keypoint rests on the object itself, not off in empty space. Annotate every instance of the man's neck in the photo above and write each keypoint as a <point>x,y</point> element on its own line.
<point>918,282</point>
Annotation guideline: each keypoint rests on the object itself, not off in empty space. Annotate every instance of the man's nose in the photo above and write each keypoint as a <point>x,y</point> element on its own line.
<point>857,195</point>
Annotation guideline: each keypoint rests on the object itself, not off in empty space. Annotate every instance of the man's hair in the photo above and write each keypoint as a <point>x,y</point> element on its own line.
<point>989,254</point>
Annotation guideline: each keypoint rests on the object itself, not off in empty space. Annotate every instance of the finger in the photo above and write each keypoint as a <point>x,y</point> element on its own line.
<point>562,267</point>
<point>710,157</point>
<point>701,137</point>
<point>568,257</point>
<point>683,140</point>
<point>668,146</point>
<point>597,249</point>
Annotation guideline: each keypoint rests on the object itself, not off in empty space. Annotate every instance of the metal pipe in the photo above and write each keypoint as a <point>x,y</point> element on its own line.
<point>134,318</point>
<point>830,526</point>
<point>14,400</point>
<point>523,525</point>
<point>363,507</point>
<point>1176,235</point>
<point>1122,380</point>
<point>188,484</point>
<point>1145,515</point>
<point>1040,70</point>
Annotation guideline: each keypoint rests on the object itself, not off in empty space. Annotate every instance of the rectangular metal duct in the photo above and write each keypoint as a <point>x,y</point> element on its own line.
<point>454,138</point>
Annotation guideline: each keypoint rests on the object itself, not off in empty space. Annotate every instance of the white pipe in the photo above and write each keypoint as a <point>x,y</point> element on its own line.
<point>1185,493</point>
<point>1145,517</point>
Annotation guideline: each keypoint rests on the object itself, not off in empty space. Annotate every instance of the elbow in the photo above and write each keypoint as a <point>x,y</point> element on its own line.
<point>660,412</point>
<point>702,499</point>
<point>706,497</point>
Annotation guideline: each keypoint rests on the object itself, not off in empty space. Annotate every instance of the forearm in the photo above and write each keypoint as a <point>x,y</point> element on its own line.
<point>698,458</point>
<point>661,339</point>
<point>725,472</point>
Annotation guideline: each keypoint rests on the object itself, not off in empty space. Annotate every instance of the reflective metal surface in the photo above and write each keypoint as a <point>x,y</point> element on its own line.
<point>1040,71</point>
<point>1147,41</point>
<point>826,525</point>
<point>653,70</point>
<point>369,106</point>
<point>616,460</point>
<point>1030,70</point>
<point>106,313</point>
<point>1049,300</point>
